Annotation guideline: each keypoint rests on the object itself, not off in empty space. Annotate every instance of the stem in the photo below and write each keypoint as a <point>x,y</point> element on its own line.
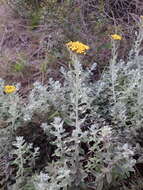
<point>21,163</point>
<point>140,68</point>
<point>77,88</point>
<point>112,68</point>
<point>77,96</point>
<point>113,84</point>
<point>76,91</point>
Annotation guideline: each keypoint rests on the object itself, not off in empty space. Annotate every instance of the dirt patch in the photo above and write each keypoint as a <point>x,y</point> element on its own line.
<point>20,49</point>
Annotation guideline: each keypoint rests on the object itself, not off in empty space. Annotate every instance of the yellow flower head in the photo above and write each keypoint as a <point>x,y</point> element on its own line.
<point>9,89</point>
<point>141,16</point>
<point>77,47</point>
<point>116,37</point>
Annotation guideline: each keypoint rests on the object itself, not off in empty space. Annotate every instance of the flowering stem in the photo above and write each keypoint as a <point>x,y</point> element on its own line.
<point>76,91</point>
<point>140,69</point>
<point>77,88</point>
<point>112,67</point>
<point>113,85</point>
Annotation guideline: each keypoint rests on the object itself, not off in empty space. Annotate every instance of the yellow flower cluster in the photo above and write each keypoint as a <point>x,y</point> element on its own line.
<point>77,47</point>
<point>116,37</point>
<point>9,89</point>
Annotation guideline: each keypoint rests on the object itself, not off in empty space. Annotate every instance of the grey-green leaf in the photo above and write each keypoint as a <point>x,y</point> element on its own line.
<point>100,185</point>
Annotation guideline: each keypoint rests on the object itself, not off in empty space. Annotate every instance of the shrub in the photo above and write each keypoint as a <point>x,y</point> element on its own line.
<point>87,121</point>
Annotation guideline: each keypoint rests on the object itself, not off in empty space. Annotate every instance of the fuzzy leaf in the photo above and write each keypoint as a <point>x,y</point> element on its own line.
<point>109,177</point>
<point>100,185</point>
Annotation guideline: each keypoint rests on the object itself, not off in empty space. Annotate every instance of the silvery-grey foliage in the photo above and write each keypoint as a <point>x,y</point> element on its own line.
<point>108,159</point>
<point>119,92</point>
<point>24,156</point>
<point>10,117</point>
